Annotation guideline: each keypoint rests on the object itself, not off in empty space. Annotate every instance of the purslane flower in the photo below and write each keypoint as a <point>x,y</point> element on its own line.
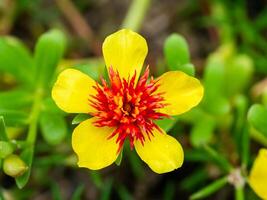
<point>258,174</point>
<point>126,106</point>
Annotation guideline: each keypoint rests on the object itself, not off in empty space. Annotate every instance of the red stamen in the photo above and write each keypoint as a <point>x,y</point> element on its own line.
<point>130,108</point>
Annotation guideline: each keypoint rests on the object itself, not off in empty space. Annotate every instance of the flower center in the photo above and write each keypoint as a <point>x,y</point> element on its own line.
<point>131,108</point>
<point>127,107</point>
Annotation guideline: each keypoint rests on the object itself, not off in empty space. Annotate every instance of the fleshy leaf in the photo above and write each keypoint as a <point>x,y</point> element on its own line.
<point>176,52</point>
<point>3,134</point>
<point>48,52</point>
<point>257,116</point>
<point>26,156</point>
<point>214,99</point>
<point>6,148</point>
<point>54,128</point>
<point>166,124</point>
<point>238,74</point>
<point>80,118</point>
<point>14,117</point>
<point>16,59</point>
<point>15,99</point>
<point>119,158</point>
<point>203,131</point>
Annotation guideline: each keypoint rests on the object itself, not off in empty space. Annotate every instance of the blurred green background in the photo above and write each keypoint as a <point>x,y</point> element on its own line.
<point>223,43</point>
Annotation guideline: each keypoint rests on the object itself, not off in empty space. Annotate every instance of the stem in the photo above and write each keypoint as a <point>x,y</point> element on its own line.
<point>239,193</point>
<point>34,117</point>
<point>219,12</point>
<point>79,24</point>
<point>219,159</point>
<point>136,14</point>
<point>210,189</point>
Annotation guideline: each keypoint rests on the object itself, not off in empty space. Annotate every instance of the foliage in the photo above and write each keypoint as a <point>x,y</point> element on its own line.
<point>222,136</point>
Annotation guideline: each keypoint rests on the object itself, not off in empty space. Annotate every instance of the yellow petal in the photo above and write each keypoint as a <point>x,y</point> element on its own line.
<point>162,153</point>
<point>91,144</point>
<point>258,174</point>
<point>181,92</point>
<point>72,91</point>
<point>125,51</point>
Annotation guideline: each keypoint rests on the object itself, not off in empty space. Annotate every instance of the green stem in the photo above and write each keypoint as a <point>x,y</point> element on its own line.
<point>210,189</point>
<point>20,144</point>
<point>239,193</point>
<point>136,14</point>
<point>34,117</point>
<point>219,13</point>
<point>219,159</point>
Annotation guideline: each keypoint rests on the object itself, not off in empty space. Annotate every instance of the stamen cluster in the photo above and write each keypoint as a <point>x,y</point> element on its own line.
<point>128,106</point>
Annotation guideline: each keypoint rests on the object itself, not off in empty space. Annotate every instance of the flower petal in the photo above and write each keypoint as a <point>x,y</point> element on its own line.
<point>91,144</point>
<point>72,91</point>
<point>258,174</point>
<point>162,153</point>
<point>180,91</point>
<point>125,51</point>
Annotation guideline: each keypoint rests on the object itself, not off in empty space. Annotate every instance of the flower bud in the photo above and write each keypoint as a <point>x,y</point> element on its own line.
<point>14,166</point>
<point>6,149</point>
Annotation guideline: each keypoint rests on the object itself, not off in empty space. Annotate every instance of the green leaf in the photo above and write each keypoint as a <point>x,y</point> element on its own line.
<point>96,178</point>
<point>238,74</point>
<point>193,115</point>
<point>3,134</point>
<point>240,127</point>
<point>1,192</point>
<point>188,69</point>
<point>195,179</point>
<point>264,98</point>
<point>54,127</point>
<point>202,131</point>
<point>136,164</point>
<point>48,52</point>
<point>210,189</point>
<point>92,67</point>
<point>14,117</point>
<point>214,99</point>
<point>176,51</point>
<point>169,191</point>
<point>197,155</point>
<point>16,59</point>
<point>106,190</point>
<point>80,118</point>
<point>258,137</point>
<point>119,158</point>
<point>123,192</point>
<point>257,116</point>
<point>166,124</point>
<point>218,158</point>
<point>77,194</point>
<point>49,105</point>
<point>214,76</point>
<point>15,99</point>
<point>27,157</point>
<point>6,148</point>
<point>245,146</point>
<point>56,193</point>
<point>218,105</point>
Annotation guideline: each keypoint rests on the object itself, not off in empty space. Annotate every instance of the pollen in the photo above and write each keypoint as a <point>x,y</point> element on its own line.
<point>130,107</point>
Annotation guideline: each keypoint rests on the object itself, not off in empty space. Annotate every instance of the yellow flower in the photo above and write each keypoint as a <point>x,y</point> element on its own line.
<point>126,107</point>
<point>258,174</point>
